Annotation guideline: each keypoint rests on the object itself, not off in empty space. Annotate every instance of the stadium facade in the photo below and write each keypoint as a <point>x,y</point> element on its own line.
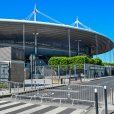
<point>52,39</point>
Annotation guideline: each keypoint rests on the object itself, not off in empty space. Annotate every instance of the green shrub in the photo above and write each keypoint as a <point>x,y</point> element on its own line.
<point>95,61</point>
<point>108,64</point>
<point>2,85</point>
<point>73,60</point>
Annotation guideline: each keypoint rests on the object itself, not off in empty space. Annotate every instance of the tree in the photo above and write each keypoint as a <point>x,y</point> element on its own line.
<point>96,61</point>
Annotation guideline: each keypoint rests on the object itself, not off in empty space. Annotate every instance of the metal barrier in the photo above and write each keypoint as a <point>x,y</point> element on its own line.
<point>4,88</point>
<point>65,93</point>
<point>71,93</point>
<point>9,87</point>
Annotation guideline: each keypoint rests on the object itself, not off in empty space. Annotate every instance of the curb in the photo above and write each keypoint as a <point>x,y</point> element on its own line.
<point>97,79</point>
<point>87,110</point>
<point>101,78</point>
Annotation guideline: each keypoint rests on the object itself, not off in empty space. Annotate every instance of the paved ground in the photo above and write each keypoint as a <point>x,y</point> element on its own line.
<point>16,107</point>
<point>101,110</point>
<point>74,92</point>
<point>106,81</point>
<point>109,82</point>
<point>6,107</point>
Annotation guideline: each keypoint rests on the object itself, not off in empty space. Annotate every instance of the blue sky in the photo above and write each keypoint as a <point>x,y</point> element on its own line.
<point>97,14</point>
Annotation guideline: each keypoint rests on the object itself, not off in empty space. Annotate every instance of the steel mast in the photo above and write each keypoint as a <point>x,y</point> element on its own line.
<point>35,13</point>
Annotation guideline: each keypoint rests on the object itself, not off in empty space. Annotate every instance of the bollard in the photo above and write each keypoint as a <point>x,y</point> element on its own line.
<point>96,101</point>
<point>61,81</point>
<point>105,98</point>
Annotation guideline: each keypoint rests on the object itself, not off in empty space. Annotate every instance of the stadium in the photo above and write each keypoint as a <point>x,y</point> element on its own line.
<point>52,39</point>
<point>46,39</point>
<point>22,38</point>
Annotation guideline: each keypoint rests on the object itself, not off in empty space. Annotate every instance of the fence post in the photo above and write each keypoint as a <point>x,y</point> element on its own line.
<point>112,96</point>
<point>69,76</point>
<point>44,83</point>
<point>84,70</point>
<point>96,101</point>
<point>58,69</point>
<point>105,98</point>
<point>24,85</point>
<point>10,87</point>
<point>35,84</point>
<point>18,86</point>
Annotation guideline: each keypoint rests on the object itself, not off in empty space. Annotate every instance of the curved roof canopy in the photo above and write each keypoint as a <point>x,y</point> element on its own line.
<point>52,35</point>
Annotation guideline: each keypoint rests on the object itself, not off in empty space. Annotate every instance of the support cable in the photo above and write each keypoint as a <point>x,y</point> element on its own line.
<point>79,24</point>
<point>41,13</point>
<point>29,16</point>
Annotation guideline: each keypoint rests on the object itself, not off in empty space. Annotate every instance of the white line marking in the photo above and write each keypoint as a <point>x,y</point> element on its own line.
<point>56,111</point>
<point>29,111</point>
<point>78,111</point>
<point>15,108</point>
<point>8,104</point>
<point>2,101</point>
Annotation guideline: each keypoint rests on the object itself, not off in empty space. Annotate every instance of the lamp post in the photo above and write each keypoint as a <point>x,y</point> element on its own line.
<point>35,34</point>
<point>84,69</point>
<point>96,41</point>
<point>24,53</point>
<point>69,43</point>
<point>78,41</point>
<point>32,58</point>
<point>35,49</point>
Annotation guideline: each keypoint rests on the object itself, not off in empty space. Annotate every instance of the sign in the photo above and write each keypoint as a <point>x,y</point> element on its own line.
<point>32,57</point>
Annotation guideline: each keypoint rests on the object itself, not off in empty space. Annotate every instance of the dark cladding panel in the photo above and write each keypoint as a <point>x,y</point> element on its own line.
<point>17,71</point>
<point>17,54</point>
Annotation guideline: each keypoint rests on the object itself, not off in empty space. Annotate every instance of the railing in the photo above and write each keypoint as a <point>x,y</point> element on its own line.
<point>10,87</point>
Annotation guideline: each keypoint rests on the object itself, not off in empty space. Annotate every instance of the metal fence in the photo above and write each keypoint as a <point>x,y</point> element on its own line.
<point>8,87</point>
<point>60,93</point>
<point>63,93</point>
<point>89,71</point>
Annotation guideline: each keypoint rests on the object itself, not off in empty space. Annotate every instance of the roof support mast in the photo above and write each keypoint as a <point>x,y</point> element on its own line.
<point>77,22</point>
<point>35,13</point>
